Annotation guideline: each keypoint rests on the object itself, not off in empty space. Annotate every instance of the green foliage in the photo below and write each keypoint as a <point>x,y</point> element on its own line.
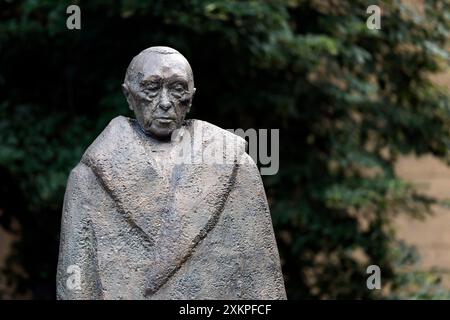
<point>348,102</point>
<point>412,281</point>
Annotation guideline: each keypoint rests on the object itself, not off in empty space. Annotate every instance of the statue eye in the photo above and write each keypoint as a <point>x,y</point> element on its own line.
<point>178,89</point>
<point>151,89</point>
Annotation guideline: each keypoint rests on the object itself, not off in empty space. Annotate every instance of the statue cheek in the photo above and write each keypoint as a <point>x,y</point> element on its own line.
<point>142,113</point>
<point>147,106</point>
<point>181,110</point>
<point>185,101</point>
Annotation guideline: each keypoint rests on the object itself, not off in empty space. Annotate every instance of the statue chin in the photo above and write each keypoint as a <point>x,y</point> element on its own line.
<point>161,131</point>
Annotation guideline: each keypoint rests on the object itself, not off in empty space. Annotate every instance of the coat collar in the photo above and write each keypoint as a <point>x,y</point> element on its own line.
<point>171,209</point>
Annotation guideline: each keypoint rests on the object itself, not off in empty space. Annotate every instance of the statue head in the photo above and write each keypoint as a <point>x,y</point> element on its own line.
<point>159,87</point>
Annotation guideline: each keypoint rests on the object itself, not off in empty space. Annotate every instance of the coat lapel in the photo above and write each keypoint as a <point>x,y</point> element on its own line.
<point>172,209</point>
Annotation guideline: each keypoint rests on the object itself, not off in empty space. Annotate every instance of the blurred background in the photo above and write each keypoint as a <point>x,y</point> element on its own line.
<point>364,119</point>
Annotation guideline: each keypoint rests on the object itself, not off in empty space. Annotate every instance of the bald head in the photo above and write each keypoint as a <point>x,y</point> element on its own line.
<point>159,87</point>
<point>148,62</point>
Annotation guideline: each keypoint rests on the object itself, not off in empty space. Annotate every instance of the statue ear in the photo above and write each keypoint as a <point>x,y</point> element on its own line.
<point>126,93</point>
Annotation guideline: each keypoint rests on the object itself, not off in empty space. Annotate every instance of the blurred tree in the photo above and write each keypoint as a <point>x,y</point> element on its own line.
<point>348,101</point>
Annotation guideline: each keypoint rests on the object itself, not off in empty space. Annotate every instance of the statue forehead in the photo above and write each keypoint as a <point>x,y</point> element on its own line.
<point>161,63</point>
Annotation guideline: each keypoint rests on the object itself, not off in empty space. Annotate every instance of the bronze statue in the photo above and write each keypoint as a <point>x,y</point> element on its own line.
<point>166,208</point>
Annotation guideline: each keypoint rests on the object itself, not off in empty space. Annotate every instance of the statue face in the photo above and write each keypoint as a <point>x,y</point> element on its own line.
<point>161,93</point>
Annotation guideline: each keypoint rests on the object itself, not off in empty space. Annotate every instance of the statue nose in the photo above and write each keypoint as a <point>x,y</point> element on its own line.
<point>165,106</point>
<point>164,102</point>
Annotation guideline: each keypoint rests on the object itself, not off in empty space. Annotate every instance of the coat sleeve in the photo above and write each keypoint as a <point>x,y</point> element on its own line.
<point>77,273</point>
<point>248,207</point>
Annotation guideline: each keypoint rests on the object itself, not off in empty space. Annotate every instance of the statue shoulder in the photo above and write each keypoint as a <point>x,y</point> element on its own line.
<point>115,135</point>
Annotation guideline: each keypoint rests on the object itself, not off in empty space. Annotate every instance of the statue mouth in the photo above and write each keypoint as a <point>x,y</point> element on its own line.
<point>164,120</point>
